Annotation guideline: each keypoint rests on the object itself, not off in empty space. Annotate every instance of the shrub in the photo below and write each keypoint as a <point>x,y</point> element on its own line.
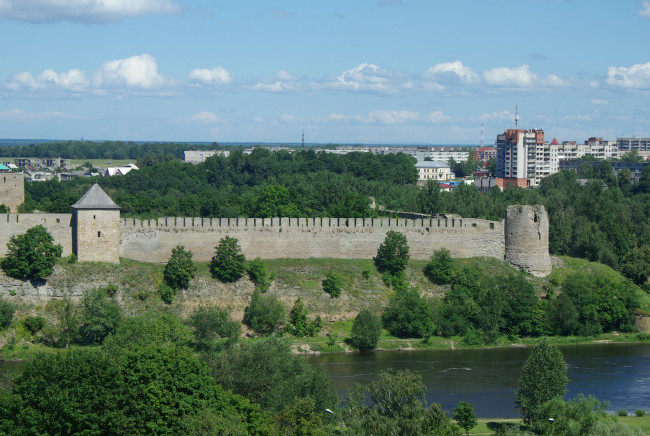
<point>98,317</point>
<point>440,267</point>
<point>408,315</point>
<point>639,412</point>
<point>259,274</point>
<point>621,412</point>
<point>264,314</point>
<point>366,329</point>
<point>180,269</point>
<point>167,293</point>
<point>34,323</point>
<point>228,263</point>
<point>31,255</point>
<point>332,284</point>
<point>393,254</point>
<point>210,324</point>
<point>6,313</point>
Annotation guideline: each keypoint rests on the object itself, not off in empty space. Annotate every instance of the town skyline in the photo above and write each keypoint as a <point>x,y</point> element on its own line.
<point>367,72</point>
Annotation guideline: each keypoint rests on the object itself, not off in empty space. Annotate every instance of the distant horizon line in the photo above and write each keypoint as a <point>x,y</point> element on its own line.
<point>8,142</point>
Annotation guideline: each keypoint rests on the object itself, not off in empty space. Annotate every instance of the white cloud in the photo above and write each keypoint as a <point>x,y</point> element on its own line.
<point>644,9</point>
<point>289,119</point>
<point>438,117</point>
<point>577,118</point>
<point>21,115</point>
<point>520,77</point>
<point>388,117</point>
<point>503,115</point>
<point>598,102</point>
<point>451,71</point>
<point>135,72</point>
<point>283,81</point>
<point>214,76</point>
<point>73,81</point>
<point>369,78</point>
<point>85,11</point>
<point>204,117</point>
<point>635,77</point>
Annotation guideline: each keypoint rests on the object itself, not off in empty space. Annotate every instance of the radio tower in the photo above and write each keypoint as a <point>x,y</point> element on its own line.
<point>516,116</point>
<point>482,136</point>
<point>303,138</point>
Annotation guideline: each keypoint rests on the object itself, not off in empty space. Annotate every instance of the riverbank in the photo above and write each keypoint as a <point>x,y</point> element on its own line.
<point>485,425</point>
<point>336,343</point>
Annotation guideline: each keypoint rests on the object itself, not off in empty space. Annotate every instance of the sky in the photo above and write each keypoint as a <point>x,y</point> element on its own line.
<point>414,72</point>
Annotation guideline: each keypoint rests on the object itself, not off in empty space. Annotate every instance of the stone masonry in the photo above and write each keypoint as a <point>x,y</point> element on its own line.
<point>95,232</point>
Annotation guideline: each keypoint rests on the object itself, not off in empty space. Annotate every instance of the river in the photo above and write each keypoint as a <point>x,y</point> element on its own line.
<point>486,378</point>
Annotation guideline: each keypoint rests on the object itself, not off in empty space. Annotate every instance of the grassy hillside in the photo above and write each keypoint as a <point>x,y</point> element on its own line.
<point>137,293</point>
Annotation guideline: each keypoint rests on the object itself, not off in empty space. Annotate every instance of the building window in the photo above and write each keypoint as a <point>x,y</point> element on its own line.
<point>99,234</point>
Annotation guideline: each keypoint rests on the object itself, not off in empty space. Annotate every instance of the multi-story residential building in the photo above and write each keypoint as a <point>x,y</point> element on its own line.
<point>523,154</point>
<point>485,153</point>
<point>517,152</point>
<point>627,144</point>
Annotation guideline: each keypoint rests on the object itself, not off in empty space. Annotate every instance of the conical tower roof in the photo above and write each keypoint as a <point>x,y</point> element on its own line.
<point>95,198</point>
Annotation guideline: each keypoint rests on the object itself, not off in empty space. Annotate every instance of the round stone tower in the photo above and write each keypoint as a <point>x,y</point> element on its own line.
<point>526,239</point>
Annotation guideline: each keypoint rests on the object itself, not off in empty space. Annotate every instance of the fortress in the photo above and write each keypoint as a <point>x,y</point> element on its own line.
<point>94,231</point>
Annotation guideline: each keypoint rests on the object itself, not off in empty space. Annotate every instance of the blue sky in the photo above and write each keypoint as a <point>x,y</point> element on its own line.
<point>345,71</point>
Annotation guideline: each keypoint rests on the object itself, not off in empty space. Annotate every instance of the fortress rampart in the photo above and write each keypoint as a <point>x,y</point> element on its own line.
<point>95,232</point>
<point>271,238</point>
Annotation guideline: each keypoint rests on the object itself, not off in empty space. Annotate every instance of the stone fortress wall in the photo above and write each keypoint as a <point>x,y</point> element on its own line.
<point>101,235</point>
<point>272,238</point>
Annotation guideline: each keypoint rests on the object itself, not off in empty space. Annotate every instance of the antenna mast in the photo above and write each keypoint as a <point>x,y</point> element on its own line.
<point>516,116</point>
<point>303,138</point>
<point>482,136</point>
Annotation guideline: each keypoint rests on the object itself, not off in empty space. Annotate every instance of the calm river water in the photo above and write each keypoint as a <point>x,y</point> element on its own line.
<point>618,373</point>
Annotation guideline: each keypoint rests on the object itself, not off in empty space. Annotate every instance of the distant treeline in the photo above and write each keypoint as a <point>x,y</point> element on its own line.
<point>101,150</point>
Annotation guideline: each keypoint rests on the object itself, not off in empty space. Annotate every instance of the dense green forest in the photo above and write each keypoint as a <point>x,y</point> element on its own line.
<point>599,217</point>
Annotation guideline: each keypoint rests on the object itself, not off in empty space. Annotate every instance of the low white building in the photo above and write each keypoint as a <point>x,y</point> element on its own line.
<point>198,156</point>
<point>433,170</point>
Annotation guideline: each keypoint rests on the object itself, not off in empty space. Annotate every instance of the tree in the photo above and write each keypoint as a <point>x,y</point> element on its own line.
<point>210,324</point>
<point>395,404</point>
<point>145,391</point>
<point>298,318</point>
<point>332,284</point>
<point>465,417</point>
<point>544,378</point>
<point>366,329</point>
<point>148,330</point>
<point>31,255</point>
<point>393,254</point>
<point>180,268</point>
<point>6,313</point>
<point>228,263</point>
<point>440,268</point>
<point>3,208</point>
<point>98,317</point>
<point>408,315</point>
<point>259,274</point>
<point>269,374</point>
<point>264,314</point>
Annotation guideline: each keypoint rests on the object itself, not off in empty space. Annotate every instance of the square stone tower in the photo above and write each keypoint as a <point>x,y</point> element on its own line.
<point>96,227</point>
<point>12,190</point>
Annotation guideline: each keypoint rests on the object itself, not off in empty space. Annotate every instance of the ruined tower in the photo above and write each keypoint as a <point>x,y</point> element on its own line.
<point>12,190</point>
<point>526,239</point>
<point>96,227</point>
